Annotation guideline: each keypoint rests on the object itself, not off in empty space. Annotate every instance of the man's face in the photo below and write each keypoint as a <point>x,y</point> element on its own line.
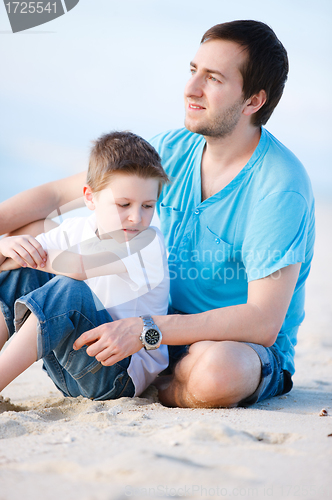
<point>213,95</point>
<point>125,207</point>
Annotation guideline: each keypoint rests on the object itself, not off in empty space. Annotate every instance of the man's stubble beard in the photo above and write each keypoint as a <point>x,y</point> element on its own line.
<point>222,125</point>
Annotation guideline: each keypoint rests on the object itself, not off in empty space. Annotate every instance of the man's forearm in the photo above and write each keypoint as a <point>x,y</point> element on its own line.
<point>34,228</point>
<point>258,321</point>
<point>37,203</point>
<point>241,323</point>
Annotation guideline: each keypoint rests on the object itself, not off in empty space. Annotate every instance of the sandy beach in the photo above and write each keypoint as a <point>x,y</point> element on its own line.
<point>63,448</point>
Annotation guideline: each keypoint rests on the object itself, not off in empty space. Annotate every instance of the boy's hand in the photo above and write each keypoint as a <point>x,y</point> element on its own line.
<point>8,265</point>
<point>25,250</point>
<point>112,342</point>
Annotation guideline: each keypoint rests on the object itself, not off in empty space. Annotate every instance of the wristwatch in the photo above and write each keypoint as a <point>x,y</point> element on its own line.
<point>151,335</point>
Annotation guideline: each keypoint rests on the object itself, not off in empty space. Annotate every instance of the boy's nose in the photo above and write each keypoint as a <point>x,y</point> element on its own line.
<point>135,216</point>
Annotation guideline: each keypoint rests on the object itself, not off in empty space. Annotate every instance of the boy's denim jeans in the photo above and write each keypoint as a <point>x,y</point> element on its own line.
<point>65,308</point>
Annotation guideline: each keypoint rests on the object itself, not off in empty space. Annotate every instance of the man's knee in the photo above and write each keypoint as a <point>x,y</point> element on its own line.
<point>220,373</point>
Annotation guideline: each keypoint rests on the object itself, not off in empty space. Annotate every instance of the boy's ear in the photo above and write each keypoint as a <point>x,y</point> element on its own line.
<point>88,197</point>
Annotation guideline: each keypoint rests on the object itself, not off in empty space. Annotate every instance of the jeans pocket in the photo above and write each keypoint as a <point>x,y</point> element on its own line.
<point>79,363</point>
<point>96,381</point>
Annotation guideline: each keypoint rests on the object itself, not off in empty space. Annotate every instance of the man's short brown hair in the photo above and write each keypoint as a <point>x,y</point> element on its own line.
<point>126,153</point>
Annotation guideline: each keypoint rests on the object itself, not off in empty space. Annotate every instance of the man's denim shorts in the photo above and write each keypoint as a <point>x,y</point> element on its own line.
<point>274,380</point>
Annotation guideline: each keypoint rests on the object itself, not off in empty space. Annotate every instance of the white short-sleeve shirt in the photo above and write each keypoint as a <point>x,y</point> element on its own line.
<point>143,289</point>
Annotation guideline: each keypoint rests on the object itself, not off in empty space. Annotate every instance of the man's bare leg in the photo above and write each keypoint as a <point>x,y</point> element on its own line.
<point>20,353</point>
<point>212,375</point>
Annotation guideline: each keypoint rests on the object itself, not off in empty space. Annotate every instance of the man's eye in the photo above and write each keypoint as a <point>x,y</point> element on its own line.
<point>213,79</point>
<point>192,71</point>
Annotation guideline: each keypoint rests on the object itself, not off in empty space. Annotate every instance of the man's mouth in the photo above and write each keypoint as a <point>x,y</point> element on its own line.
<point>194,106</point>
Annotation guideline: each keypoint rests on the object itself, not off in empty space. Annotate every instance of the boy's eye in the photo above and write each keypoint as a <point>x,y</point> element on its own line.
<point>148,206</point>
<point>123,205</point>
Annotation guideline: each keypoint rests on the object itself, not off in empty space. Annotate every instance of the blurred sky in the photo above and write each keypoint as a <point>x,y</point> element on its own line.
<point>110,64</point>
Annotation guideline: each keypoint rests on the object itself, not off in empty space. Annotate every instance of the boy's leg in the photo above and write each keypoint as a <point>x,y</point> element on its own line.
<point>20,353</point>
<point>65,309</point>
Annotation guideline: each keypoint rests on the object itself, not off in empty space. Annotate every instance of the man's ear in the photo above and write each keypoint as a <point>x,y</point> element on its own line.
<point>254,103</point>
<point>88,197</point>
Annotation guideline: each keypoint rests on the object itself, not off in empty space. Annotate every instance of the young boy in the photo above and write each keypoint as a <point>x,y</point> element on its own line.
<point>119,256</point>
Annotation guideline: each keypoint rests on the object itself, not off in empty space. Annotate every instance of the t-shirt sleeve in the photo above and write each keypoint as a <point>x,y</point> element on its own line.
<point>276,235</point>
<point>57,238</point>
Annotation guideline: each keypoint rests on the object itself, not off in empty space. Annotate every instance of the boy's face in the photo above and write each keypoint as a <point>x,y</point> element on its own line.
<point>126,205</point>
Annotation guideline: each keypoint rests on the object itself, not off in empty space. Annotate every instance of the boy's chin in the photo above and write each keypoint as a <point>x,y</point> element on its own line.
<point>116,235</point>
<point>129,235</point>
<point>120,235</point>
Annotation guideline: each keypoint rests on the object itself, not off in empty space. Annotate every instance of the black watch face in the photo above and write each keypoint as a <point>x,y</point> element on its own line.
<point>152,336</point>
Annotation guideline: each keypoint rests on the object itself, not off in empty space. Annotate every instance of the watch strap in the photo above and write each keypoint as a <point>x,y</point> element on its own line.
<point>148,323</point>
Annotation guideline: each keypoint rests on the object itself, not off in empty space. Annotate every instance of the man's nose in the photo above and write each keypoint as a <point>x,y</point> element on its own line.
<point>194,87</point>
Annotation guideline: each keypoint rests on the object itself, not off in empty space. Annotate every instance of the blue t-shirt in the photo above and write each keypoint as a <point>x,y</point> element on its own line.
<point>262,221</point>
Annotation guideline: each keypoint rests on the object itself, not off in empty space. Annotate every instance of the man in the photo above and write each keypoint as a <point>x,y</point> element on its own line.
<point>238,219</point>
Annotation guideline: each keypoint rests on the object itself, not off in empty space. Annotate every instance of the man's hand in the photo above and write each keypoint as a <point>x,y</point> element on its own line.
<point>25,251</point>
<point>112,342</point>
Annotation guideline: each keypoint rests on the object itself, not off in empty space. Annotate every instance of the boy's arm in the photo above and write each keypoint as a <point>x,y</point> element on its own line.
<point>32,229</point>
<point>26,251</point>
<point>82,267</point>
<point>37,203</point>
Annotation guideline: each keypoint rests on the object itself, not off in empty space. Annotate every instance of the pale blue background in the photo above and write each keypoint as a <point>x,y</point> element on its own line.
<point>109,65</point>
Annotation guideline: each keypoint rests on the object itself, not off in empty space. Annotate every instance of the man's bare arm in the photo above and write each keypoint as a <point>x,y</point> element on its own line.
<point>37,203</point>
<point>34,228</point>
<point>258,321</point>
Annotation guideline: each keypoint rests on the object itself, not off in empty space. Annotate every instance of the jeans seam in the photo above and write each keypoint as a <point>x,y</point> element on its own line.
<point>126,384</point>
<point>71,311</point>
<point>87,368</point>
